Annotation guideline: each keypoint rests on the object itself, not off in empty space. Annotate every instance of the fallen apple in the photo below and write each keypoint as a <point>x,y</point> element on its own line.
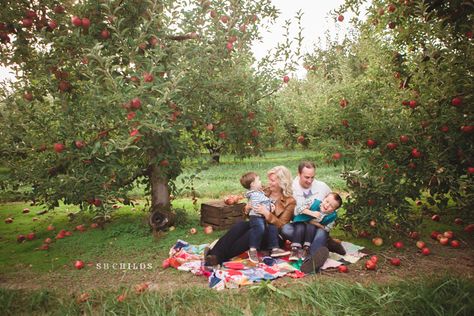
<point>374,259</point>
<point>30,236</point>
<point>469,228</point>
<point>425,251</point>
<point>50,228</point>
<point>94,225</point>
<point>448,234</point>
<point>455,243</point>
<point>370,265</point>
<point>420,244</point>
<point>193,231</point>
<point>48,240</point>
<point>44,247</point>
<point>26,210</point>
<point>377,241</point>
<point>434,235</point>
<point>435,217</point>
<point>395,261</point>
<point>79,264</point>
<point>343,269</point>
<point>208,229</point>
<point>20,238</point>
<point>398,244</point>
<point>443,241</point>
<point>9,220</point>
<point>121,298</point>
<point>414,235</point>
<point>458,221</point>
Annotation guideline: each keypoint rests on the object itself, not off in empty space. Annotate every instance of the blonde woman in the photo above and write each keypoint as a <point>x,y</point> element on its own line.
<point>236,240</point>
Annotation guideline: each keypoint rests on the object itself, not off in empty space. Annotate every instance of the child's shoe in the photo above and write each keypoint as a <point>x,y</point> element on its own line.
<point>295,254</point>
<point>278,252</point>
<point>253,255</point>
<point>305,252</point>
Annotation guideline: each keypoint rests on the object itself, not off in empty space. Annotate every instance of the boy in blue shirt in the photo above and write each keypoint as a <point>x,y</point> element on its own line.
<point>322,213</point>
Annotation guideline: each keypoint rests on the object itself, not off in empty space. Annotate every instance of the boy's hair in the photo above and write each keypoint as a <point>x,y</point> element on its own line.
<point>337,197</point>
<point>247,179</point>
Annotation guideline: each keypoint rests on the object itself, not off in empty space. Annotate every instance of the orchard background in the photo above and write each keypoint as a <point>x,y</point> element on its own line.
<point>112,98</point>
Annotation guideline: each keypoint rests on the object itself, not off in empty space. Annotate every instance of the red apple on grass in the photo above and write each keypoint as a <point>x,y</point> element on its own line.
<point>398,244</point>
<point>458,221</point>
<point>26,210</point>
<point>8,220</point>
<point>374,259</point>
<point>370,265</point>
<point>20,238</point>
<point>425,251</point>
<point>105,34</point>
<point>395,261</point>
<point>76,21</point>
<point>443,241</point>
<point>79,264</point>
<point>30,236</point>
<point>435,218</point>
<point>193,231</point>
<point>448,234</point>
<point>455,243</point>
<point>377,241</point>
<point>340,18</point>
<point>469,228</point>
<point>420,244</point>
<point>208,229</point>
<point>434,235</point>
<point>343,269</point>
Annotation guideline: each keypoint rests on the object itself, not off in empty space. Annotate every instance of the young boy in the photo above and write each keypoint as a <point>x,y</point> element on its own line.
<point>321,212</point>
<point>256,197</point>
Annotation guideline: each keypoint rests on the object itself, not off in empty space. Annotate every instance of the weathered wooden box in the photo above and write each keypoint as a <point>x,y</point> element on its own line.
<point>220,215</point>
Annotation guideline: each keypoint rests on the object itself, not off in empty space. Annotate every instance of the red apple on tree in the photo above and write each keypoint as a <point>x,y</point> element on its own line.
<point>371,143</point>
<point>340,18</point>
<point>456,101</point>
<point>76,21</point>
<point>85,22</point>
<point>105,34</point>
<point>286,79</point>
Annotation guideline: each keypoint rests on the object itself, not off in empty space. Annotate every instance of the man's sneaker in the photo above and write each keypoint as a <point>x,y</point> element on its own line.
<point>305,252</point>
<point>335,246</point>
<point>253,255</point>
<point>278,252</point>
<point>313,263</point>
<point>295,254</point>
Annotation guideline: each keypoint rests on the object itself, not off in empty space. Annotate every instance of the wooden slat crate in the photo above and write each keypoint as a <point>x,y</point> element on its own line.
<point>220,215</point>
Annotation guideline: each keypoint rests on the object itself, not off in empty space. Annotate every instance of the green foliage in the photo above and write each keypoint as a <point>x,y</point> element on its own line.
<point>402,72</point>
<point>129,97</point>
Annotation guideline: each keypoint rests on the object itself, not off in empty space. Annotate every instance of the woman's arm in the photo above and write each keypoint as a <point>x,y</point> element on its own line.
<point>284,217</point>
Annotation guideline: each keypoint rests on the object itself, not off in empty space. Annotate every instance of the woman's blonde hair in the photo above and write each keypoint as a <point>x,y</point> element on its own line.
<point>284,178</point>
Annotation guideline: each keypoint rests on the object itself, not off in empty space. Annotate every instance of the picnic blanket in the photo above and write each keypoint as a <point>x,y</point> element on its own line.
<point>240,271</point>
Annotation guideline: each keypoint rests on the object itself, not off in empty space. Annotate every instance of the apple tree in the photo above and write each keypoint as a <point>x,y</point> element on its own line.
<point>113,93</point>
<point>394,104</point>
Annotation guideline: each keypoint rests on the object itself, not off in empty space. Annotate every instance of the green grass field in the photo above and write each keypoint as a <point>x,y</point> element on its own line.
<point>45,282</point>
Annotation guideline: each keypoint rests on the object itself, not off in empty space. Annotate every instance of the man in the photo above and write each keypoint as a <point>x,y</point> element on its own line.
<point>304,186</point>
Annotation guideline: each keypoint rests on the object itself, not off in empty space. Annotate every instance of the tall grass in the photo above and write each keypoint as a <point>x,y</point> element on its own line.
<point>444,296</point>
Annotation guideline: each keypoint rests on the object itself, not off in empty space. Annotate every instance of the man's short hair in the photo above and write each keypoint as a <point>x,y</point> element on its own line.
<point>247,179</point>
<point>306,164</point>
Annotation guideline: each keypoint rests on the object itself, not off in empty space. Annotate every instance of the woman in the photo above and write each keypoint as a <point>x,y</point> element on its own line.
<point>236,240</point>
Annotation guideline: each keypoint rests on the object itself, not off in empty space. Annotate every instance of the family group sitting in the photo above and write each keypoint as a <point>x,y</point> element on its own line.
<point>300,210</point>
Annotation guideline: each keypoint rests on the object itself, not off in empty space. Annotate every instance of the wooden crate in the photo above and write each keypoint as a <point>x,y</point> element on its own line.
<point>219,215</point>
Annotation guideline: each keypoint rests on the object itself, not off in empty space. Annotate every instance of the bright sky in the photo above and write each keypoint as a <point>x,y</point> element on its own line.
<point>316,21</point>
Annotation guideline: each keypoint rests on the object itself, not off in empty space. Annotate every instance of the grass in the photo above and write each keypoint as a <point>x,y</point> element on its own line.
<point>444,296</point>
<point>223,178</point>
